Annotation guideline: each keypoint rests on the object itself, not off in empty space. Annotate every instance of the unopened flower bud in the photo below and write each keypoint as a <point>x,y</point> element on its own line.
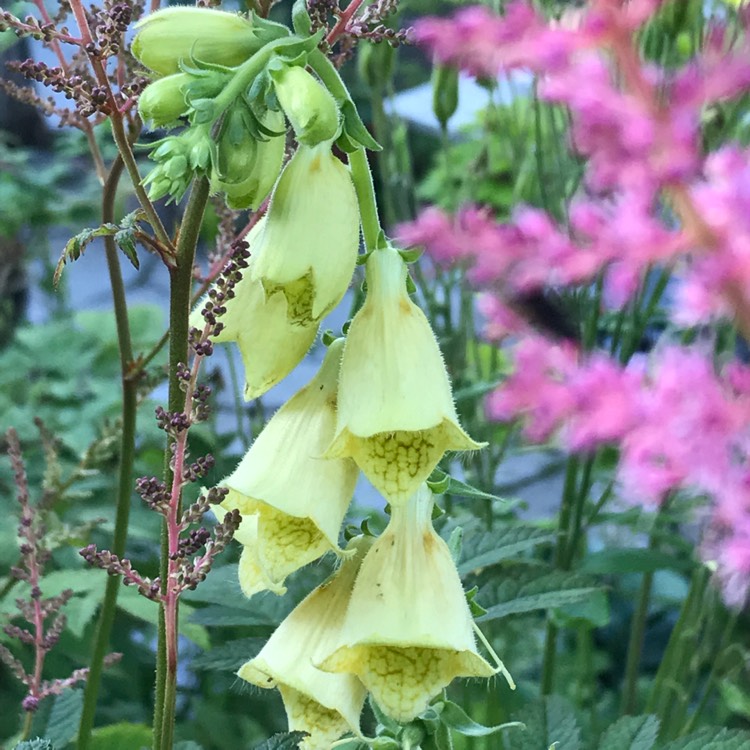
<point>163,102</point>
<point>180,33</point>
<point>308,105</point>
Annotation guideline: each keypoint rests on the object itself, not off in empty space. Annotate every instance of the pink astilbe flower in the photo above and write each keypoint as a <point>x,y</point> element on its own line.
<point>483,43</point>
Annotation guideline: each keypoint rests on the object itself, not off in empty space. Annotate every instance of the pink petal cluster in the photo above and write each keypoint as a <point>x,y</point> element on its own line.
<point>650,197</point>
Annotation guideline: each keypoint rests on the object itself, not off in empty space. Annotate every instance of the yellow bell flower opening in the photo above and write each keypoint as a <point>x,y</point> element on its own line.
<point>396,416</point>
<point>408,630</point>
<point>298,498</point>
<point>309,245</point>
<point>323,704</point>
<point>270,346</point>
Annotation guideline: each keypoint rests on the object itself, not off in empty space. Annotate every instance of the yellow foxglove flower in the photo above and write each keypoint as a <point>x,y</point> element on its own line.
<point>270,346</point>
<point>323,704</point>
<point>299,498</point>
<point>396,416</point>
<point>309,245</point>
<point>180,33</point>
<point>408,631</point>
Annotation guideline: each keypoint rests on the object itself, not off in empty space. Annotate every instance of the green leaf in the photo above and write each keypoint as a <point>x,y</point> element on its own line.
<point>484,548</point>
<point>282,741</point>
<point>547,722</point>
<point>62,725</point>
<point>229,656</point>
<point>530,590</point>
<point>631,560</point>
<point>737,699</point>
<point>122,736</point>
<point>36,744</point>
<point>187,745</point>
<point>453,716</point>
<point>712,738</point>
<point>593,609</point>
<point>218,616</point>
<point>123,233</point>
<point>631,733</point>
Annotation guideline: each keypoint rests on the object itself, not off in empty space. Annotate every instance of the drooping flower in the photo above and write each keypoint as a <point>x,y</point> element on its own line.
<point>408,630</point>
<point>396,416</point>
<point>271,347</point>
<point>323,704</point>
<point>308,247</point>
<point>297,498</point>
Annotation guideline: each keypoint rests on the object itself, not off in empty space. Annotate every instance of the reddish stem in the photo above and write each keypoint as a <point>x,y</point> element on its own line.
<point>343,21</point>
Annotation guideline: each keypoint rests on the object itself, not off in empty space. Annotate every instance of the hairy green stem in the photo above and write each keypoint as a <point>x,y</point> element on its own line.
<point>127,457</point>
<point>181,281</point>
<point>368,207</point>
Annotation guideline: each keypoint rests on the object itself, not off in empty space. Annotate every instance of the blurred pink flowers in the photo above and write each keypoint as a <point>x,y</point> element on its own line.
<point>650,197</point>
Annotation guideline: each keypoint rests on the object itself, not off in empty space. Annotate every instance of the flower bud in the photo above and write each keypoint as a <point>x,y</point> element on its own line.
<point>308,105</point>
<point>309,246</point>
<point>396,416</point>
<point>408,631</point>
<point>269,345</point>
<point>180,33</point>
<point>322,704</point>
<point>299,498</point>
<point>163,101</point>
<point>247,167</point>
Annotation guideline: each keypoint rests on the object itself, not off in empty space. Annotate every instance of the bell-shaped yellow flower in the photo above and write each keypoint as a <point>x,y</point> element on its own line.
<point>309,244</point>
<point>270,346</point>
<point>408,630</point>
<point>396,416</point>
<point>299,498</point>
<point>323,704</point>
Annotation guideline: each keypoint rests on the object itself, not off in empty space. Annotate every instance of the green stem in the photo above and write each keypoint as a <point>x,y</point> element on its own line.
<point>563,530</point>
<point>368,207</point>
<point>127,457</point>
<point>181,282</point>
<point>635,644</point>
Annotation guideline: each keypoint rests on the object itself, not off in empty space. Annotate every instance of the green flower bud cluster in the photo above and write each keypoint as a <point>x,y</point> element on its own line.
<point>233,79</point>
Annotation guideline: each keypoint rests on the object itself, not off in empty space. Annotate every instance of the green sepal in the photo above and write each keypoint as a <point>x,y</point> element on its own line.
<point>301,22</point>
<point>328,337</point>
<point>385,721</point>
<point>202,111</point>
<point>362,258</point>
<point>456,543</point>
<point>437,511</point>
<point>268,31</point>
<point>437,483</point>
<point>411,287</point>
<point>476,609</point>
<point>291,52</point>
<point>345,328</point>
<point>410,256</point>
<point>453,716</point>
<point>354,134</point>
<point>385,743</point>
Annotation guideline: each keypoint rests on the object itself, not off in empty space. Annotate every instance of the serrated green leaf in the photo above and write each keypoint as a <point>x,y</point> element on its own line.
<point>62,725</point>
<point>631,733</point>
<point>229,656</point>
<point>217,616</point>
<point>548,721</point>
<point>442,483</point>
<point>530,590</point>
<point>631,560</point>
<point>712,738</point>
<point>484,548</point>
<point>36,744</point>
<point>453,716</point>
<point>282,741</point>
<point>122,736</point>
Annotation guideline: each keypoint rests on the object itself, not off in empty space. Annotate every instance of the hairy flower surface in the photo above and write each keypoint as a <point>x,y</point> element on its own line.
<point>325,705</point>
<point>396,416</point>
<point>308,247</point>
<point>271,347</point>
<point>298,497</point>
<point>408,631</point>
